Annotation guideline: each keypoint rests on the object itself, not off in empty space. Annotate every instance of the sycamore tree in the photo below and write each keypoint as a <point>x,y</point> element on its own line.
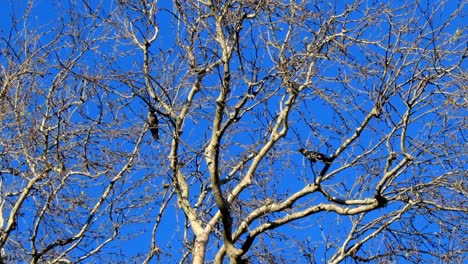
<point>278,131</point>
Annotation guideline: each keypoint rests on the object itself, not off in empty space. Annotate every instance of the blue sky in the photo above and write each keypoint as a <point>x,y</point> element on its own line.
<point>313,122</point>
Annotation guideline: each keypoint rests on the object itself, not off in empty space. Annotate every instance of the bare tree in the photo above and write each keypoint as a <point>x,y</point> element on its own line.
<point>309,132</point>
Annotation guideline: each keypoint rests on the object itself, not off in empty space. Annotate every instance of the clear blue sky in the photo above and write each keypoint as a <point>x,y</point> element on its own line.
<point>45,15</point>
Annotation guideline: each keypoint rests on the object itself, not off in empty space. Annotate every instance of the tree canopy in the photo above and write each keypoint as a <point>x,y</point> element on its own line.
<point>279,131</point>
